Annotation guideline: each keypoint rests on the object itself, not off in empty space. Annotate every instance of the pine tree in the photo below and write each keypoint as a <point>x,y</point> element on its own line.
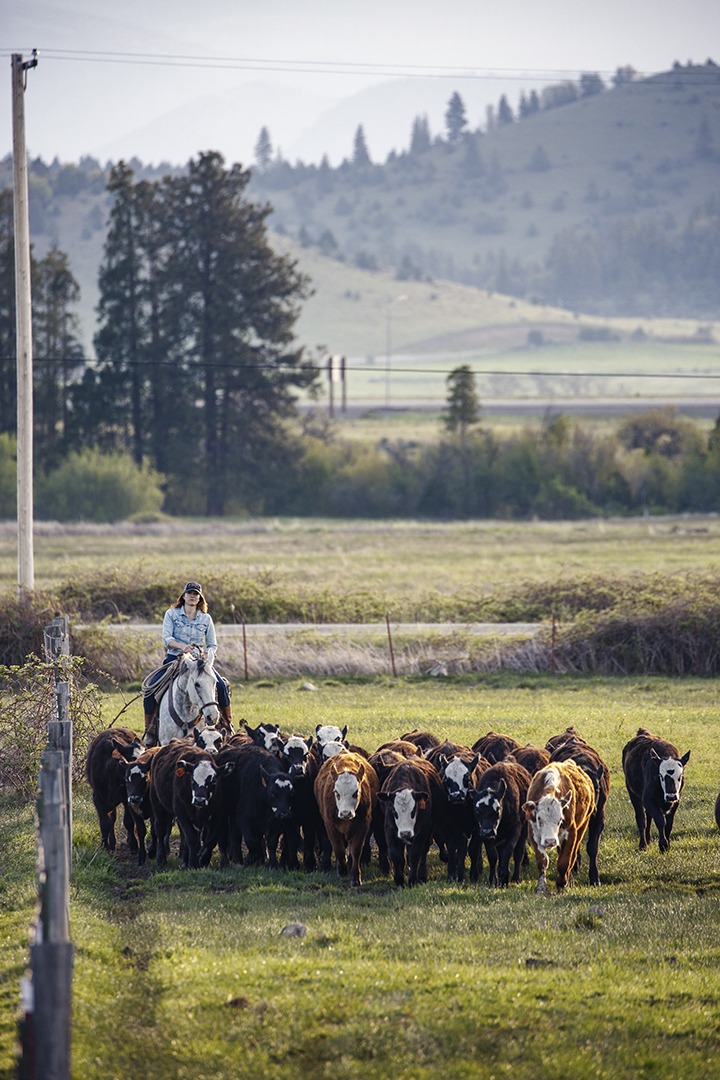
<point>455,118</point>
<point>263,150</point>
<point>504,112</point>
<point>463,407</point>
<point>57,350</point>
<point>420,135</point>
<point>361,156</point>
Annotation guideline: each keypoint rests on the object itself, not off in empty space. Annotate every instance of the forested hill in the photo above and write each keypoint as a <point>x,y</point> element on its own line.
<point>585,196</point>
<point>603,199</point>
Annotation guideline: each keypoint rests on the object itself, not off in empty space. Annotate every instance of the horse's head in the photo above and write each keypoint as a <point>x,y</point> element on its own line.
<point>202,686</point>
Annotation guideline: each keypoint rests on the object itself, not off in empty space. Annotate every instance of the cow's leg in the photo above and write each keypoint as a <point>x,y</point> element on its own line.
<point>567,857</point>
<point>141,830</point>
<point>460,856</point>
<point>491,851</point>
<point>475,850</point>
<point>504,853</point>
<point>660,820</point>
<point>519,855</point>
<point>641,819</point>
<point>542,864</point>
<point>163,825</point>
<point>107,824</point>
<point>597,824</point>
<point>669,820</point>
<point>129,821</point>
<point>397,858</point>
<point>356,848</point>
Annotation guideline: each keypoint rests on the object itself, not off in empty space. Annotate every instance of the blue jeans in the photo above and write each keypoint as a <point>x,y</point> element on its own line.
<point>150,704</point>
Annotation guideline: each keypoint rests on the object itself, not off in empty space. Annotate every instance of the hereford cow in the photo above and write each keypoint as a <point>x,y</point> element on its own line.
<point>345,788</point>
<point>496,747</point>
<point>108,754</point>
<point>559,805</point>
<point>456,832</point>
<point>571,746</point>
<point>410,797</point>
<point>654,777</point>
<point>497,802</point>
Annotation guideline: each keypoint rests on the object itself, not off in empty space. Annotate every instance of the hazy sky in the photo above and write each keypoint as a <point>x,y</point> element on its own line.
<point>167,78</point>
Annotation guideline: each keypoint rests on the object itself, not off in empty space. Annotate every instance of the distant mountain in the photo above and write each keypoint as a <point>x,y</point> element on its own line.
<point>602,199</point>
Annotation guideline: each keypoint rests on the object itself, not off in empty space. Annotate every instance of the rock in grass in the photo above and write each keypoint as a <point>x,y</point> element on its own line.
<point>294,929</point>
<point>308,686</point>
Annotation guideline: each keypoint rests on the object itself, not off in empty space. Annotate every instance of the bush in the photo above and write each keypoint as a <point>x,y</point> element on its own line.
<point>22,625</point>
<point>91,486</point>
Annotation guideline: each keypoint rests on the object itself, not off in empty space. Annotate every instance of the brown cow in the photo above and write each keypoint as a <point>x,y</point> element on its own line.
<point>346,787</point>
<point>560,802</point>
<point>496,747</point>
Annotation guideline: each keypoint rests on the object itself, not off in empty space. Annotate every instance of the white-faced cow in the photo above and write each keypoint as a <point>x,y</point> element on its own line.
<point>185,786</point>
<point>654,777</point>
<point>571,746</point>
<point>497,802</point>
<point>137,789</point>
<point>559,806</point>
<point>410,796</point>
<point>345,788</point>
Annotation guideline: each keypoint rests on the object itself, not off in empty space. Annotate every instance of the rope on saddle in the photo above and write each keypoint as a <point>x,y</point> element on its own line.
<point>167,674</point>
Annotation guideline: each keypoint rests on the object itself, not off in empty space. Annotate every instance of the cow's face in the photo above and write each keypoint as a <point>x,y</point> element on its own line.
<point>267,736</point>
<point>487,807</point>
<point>136,778</point>
<point>295,755</point>
<point>672,774</point>
<point>209,739</point>
<point>405,806</point>
<point>347,795</point>
<point>280,793</point>
<point>330,749</point>
<point>203,776</point>
<point>325,733</point>
<point>547,821</point>
<point>457,779</point>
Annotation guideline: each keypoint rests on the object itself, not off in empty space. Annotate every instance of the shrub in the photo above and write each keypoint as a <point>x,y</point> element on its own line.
<point>91,486</point>
<point>22,625</point>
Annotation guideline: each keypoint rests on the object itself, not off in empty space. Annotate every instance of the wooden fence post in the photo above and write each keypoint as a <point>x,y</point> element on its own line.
<point>47,1021</point>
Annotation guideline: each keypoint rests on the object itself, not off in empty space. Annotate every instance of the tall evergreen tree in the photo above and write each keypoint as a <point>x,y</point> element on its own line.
<point>57,350</point>
<point>361,155</point>
<point>455,118</point>
<point>263,150</point>
<point>463,407</point>
<point>232,303</point>
<point>420,135</point>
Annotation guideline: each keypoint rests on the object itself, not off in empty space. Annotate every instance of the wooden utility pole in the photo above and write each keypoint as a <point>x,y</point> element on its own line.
<point>23,308</point>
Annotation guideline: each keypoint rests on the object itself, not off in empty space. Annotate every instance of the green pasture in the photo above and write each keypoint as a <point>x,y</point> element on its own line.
<point>395,558</point>
<point>187,974</point>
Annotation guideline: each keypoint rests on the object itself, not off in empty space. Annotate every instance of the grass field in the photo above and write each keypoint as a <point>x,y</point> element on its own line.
<point>394,557</point>
<point>187,974</point>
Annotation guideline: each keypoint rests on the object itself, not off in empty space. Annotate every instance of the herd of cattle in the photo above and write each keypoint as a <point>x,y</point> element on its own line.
<point>261,796</point>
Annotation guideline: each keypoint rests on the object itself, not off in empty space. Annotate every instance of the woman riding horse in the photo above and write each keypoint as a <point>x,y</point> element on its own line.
<point>186,627</point>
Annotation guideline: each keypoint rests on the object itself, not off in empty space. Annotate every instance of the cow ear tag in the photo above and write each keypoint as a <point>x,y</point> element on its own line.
<point>422,804</point>
<point>180,771</point>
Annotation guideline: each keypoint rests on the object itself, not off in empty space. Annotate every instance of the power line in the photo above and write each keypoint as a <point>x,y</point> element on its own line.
<point>369,369</point>
<point>317,66</point>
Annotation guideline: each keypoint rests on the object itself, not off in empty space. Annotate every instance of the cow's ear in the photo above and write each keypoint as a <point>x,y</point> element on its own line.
<point>384,796</point>
<point>654,753</point>
<point>472,765</point>
<point>421,798</point>
<point>344,731</point>
<point>361,772</point>
<point>309,741</point>
<point>181,768</point>
<point>501,789</point>
<point>264,776</point>
<point>684,759</point>
<point>529,809</point>
<point>442,761</point>
<point>565,800</point>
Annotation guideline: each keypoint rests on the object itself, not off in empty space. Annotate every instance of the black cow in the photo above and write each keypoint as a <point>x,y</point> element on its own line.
<point>268,736</point>
<point>185,786</point>
<point>107,756</point>
<point>459,770</point>
<point>410,796</point>
<point>497,802</point>
<point>654,777</point>
<point>137,789</point>
<point>259,801</point>
<point>572,747</point>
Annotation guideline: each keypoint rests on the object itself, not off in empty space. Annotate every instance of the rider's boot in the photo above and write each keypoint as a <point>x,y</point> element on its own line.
<point>150,737</point>
<point>225,723</point>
